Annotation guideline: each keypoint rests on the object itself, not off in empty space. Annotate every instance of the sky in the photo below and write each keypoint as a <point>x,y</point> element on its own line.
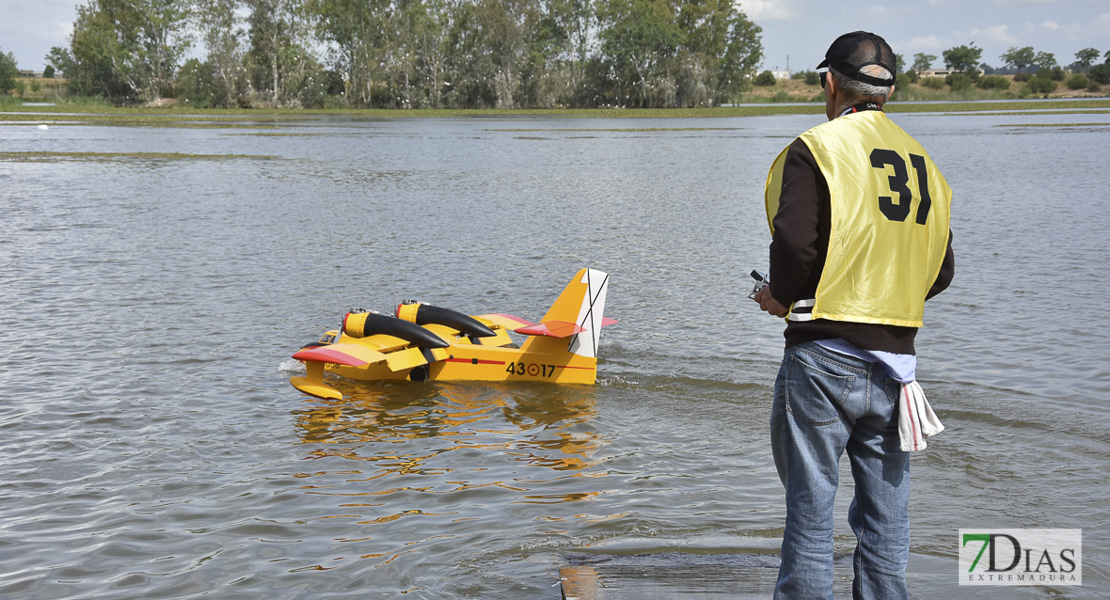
<point>796,33</point>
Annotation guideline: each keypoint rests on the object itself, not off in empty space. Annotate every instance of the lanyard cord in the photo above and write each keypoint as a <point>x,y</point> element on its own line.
<point>862,107</point>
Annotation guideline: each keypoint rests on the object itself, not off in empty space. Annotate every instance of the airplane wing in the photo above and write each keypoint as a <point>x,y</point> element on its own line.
<point>352,355</point>
<point>559,329</point>
<point>358,355</point>
<point>504,321</point>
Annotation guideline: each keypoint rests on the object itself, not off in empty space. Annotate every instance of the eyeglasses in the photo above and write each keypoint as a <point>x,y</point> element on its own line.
<point>823,73</point>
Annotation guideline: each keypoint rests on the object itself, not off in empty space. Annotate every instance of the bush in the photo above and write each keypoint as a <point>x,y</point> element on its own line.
<point>765,79</point>
<point>958,81</point>
<point>1100,74</point>
<point>1055,73</point>
<point>48,72</point>
<point>993,82</point>
<point>1078,82</point>
<point>934,83</point>
<point>1041,85</point>
<point>1094,86</point>
<point>1023,77</point>
<point>812,78</point>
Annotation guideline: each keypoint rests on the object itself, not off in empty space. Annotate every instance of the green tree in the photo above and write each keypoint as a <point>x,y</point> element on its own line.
<point>403,85</point>
<point>743,53</point>
<point>153,31</point>
<point>197,84</point>
<point>430,20</point>
<point>551,71</point>
<point>638,40</point>
<point>962,58</point>
<point>721,51</point>
<point>279,58</point>
<point>355,30</point>
<point>923,62</point>
<point>575,21</point>
<point>48,72</point>
<point>466,79</point>
<point>497,53</point>
<point>96,62</point>
<point>126,50</point>
<point>505,27</point>
<point>1087,57</point>
<point>1045,60</point>
<point>675,53</point>
<point>9,70</point>
<point>220,28</point>
<point>389,53</point>
<point>1018,58</point>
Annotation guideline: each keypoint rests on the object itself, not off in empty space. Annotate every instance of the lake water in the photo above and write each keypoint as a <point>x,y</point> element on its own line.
<point>151,447</point>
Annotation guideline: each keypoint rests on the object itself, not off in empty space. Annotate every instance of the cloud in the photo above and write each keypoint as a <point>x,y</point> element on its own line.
<point>985,36</point>
<point>770,10</point>
<point>65,28</point>
<point>1053,25</point>
<point>929,42</point>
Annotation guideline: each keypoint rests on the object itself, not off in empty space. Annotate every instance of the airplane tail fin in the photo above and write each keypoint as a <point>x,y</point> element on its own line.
<point>578,313</point>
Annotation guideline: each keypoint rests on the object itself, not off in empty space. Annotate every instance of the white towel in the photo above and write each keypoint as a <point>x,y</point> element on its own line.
<point>916,419</point>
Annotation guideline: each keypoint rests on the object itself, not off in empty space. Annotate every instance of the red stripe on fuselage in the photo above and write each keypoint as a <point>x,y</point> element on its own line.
<point>474,361</point>
<point>501,362</point>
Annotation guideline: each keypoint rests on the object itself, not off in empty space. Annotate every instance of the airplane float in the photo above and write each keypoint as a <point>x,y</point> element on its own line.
<point>422,342</point>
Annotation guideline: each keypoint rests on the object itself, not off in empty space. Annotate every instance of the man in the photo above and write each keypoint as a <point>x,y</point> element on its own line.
<point>859,216</point>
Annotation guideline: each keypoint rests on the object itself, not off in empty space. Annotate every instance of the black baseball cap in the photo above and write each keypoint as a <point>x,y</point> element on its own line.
<point>853,51</point>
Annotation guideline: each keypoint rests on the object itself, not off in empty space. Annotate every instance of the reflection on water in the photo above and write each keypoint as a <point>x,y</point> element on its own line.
<point>441,431</point>
<point>412,467</point>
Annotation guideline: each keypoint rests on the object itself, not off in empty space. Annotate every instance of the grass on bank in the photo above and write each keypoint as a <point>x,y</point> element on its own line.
<point>792,96</point>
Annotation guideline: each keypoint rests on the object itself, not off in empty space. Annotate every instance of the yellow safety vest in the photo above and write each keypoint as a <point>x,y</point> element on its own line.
<point>889,221</point>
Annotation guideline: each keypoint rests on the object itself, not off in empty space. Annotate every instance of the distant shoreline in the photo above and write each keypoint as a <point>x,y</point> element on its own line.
<point>14,112</point>
<point>785,96</point>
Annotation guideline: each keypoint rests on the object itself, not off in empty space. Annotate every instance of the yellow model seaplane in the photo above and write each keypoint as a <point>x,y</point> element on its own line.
<point>425,342</point>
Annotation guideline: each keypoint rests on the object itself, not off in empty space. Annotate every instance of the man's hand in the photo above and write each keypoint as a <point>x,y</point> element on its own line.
<point>769,304</point>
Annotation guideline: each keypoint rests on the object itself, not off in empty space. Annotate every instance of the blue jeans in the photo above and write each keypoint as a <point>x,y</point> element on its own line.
<point>826,403</point>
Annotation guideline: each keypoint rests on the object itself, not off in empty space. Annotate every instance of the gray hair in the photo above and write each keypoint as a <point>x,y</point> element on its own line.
<point>854,88</point>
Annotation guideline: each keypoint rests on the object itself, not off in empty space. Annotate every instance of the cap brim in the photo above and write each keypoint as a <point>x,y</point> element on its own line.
<point>824,64</point>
